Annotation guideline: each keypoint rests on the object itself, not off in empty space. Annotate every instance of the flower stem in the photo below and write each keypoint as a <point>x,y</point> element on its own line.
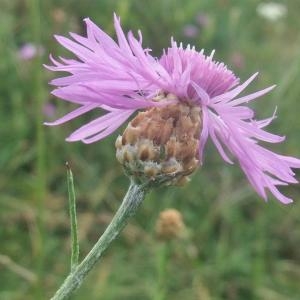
<point>162,264</point>
<point>134,197</point>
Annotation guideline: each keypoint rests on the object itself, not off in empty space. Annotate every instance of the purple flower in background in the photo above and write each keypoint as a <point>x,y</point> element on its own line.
<point>190,31</point>
<point>29,51</point>
<point>121,78</point>
<point>237,59</point>
<point>203,20</point>
<point>49,109</point>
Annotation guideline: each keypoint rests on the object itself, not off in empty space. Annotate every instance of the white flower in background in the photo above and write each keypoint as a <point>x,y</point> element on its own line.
<point>271,10</point>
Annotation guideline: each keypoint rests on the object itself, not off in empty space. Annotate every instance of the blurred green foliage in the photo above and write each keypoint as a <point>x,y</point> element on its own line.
<point>235,246</point>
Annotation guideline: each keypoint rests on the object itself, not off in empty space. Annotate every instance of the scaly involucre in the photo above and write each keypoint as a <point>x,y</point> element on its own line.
<point>121,78</point>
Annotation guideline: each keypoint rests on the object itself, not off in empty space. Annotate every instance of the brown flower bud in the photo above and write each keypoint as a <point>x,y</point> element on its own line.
<point>169,224</point>
<point>161,144</point>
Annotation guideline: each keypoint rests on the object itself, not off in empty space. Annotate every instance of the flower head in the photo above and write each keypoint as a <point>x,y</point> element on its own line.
<point>169,225</point>
<point>122,78</point>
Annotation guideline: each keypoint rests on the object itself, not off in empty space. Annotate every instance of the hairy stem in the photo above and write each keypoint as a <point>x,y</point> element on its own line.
<point>131,201</point>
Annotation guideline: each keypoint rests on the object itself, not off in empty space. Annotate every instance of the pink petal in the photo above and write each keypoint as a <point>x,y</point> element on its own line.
<point>121,37</point>
<point>233,93</point>
<point>99,125</point>
<point>74,114</point>
<point>251,96</point>
<point>219,147</point>
<point>81,52</point>
<point>104,39</point>
<point>204,132</point>
<point>108,130</point>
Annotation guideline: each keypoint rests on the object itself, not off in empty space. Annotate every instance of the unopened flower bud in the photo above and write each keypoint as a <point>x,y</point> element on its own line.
<point>161,144</point>
<point>169,224</point>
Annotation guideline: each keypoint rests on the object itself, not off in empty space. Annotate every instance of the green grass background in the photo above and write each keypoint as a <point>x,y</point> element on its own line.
<point>235,245</point>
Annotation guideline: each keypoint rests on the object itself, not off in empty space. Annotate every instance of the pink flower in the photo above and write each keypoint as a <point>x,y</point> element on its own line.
<point>121,78</point>
<point>190,30</point>
<point>237,60</point>
<point>203,20</point>
<point>49,109</point>
<point>29,51</point>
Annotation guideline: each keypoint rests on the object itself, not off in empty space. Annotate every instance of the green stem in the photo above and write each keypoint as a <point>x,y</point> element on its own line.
<point>162,262</point>
<point>134,197</point>
<point>38,94</point>
<point>73,219</point>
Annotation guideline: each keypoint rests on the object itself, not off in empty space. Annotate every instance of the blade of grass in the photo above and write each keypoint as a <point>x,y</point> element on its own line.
<point>73,219</point>
<point>38,96</point>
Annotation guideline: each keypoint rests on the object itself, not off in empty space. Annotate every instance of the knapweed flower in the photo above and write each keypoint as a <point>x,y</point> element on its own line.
<point>169,224</point>
<point>185,96</point>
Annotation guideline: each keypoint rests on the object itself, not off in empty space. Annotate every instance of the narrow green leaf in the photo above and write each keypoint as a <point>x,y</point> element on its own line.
<point>73,219</point>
